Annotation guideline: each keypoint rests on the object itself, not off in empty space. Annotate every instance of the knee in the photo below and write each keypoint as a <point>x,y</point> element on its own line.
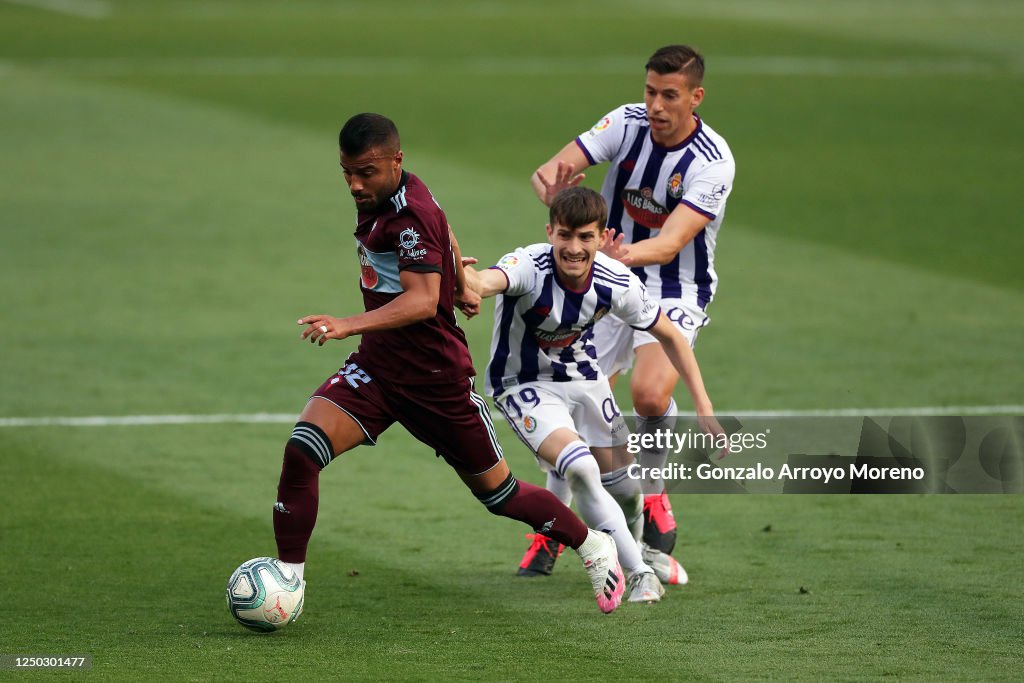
<point>651,401</point>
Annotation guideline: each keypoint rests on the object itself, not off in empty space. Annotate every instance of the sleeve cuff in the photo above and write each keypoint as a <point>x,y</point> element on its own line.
<point>508,283</point>
<point>653,322</point>
<point>420,268</point>
<point>586,152</point>
<point>702,212</point>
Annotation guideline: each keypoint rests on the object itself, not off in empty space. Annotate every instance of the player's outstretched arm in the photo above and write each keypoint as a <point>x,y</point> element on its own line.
<point>559,173</point>
<point>682,225</point>
<point>417,302</point>
<point>685,363</point>
<point>486,283</point>
<point>466,299</point>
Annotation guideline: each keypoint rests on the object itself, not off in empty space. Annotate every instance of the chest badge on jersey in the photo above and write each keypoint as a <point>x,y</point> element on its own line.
<point>675,186</point>
<point>367,274</point>
<point>642,208</point>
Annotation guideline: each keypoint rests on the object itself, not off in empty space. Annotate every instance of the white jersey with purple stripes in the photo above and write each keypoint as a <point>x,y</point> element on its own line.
<point>646,182</point>
<point>543,330</point>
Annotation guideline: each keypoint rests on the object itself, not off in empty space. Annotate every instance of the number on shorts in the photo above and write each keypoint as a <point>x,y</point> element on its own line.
<point>354,374</point>
<point>528,396</point>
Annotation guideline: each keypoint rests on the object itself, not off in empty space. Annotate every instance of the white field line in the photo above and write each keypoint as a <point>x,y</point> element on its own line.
<point>88,9</point>
<point>767,65</point>
<point>287,418</point>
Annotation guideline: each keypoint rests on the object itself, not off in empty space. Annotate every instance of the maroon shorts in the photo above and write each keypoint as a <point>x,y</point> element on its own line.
<point>450,418</point>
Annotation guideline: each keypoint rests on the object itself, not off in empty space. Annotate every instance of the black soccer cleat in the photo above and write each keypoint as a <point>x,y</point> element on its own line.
<point>659,523</point>
<point>540,557</point>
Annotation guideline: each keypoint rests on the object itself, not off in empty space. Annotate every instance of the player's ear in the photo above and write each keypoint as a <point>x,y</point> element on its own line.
<point>551,233</point>
<point>697,96</point>
<point>398,158</point>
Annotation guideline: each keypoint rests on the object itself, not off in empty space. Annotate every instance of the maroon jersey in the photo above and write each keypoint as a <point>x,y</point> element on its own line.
<point>409,231</point>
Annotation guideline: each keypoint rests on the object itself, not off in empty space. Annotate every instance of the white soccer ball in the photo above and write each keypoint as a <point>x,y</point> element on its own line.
<point>264,594</point>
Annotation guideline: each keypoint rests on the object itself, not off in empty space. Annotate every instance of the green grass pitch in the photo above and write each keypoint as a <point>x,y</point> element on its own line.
<point>171,203</point>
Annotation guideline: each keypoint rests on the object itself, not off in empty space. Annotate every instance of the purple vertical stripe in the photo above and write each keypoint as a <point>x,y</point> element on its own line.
<point>622,177</point>
<point>701,272</point>
<point>501,351</point>
<point>532,318</point>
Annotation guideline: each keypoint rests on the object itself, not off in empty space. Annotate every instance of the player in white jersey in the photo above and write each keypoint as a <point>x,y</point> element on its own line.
<point>543,372</point>
<point>668,180</point>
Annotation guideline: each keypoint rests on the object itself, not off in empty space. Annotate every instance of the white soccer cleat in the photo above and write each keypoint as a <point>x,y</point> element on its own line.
<point>602,565</point>
<point>645,587</point>
<point>669,571</point>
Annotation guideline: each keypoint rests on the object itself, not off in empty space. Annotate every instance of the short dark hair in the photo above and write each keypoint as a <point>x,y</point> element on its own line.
<point>575,207</point>
<point>682,59</point>
<point>363,132</point>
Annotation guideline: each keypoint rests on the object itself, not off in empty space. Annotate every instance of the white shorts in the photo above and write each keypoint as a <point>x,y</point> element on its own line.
<point>616,341</point>
<point>536,409</point>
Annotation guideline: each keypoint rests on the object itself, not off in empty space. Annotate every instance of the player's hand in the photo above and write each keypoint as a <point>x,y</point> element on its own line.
<point>613,246</point>
<point>468,300</point>
<point>709,425</point>
<point>320,328</point>
<point>469,261</point>
<point>565,177</point>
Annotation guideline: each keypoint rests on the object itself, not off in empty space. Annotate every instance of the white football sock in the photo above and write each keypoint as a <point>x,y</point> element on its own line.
<point>298,568</point>
<point>560,487</point>
<point>655,457</point>
<point>626,492</point>
<point>597,507</point>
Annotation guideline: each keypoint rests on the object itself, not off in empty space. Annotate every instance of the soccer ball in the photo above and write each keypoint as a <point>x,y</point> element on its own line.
<point>264,594</point>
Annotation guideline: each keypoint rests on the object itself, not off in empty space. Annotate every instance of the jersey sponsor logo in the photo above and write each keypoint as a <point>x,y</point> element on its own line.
<point>712,199</point>
<point>556,339</point>
<point>642,208</point>
<point>675,186</point>
<point>601,126</point>
<point>408,238</point>
<point>367,275</point>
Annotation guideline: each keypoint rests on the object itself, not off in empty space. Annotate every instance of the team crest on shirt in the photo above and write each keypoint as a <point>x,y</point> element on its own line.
<point>529,424</point>
<point>675,186</point>
<point>642,208</point>
<point>367,274</point>
<point>601,126</point>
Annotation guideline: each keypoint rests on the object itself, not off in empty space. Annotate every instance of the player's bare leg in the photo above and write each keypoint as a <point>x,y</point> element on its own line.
<point>503,495</point>
<point>322,432</point>
<point>654,379</point>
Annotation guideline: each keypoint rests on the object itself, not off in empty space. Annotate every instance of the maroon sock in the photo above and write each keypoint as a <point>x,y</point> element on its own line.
<point>539,508</point>
<point>298,495</point>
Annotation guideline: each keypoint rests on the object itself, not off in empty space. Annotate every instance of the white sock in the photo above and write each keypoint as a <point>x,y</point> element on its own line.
<point>597,507</point>
<point>560,487</point>
<point>626,492</point>
<point>655,457</point>
<point>298,568</point>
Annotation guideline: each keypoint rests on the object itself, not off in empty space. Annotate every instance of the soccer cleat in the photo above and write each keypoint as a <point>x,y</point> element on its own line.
<point>659,522</point>
<point>602,565</point>
<point>540,557</point>
<point>645,587</point>
<point>668,570</point>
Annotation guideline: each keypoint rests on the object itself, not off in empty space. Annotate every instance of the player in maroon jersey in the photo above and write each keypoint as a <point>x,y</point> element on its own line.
<point>412,366</point>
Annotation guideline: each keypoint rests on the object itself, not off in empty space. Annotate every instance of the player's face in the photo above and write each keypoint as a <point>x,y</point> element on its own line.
<point>670,104</point>
<point>372,176</point>
<point>574,251</point>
